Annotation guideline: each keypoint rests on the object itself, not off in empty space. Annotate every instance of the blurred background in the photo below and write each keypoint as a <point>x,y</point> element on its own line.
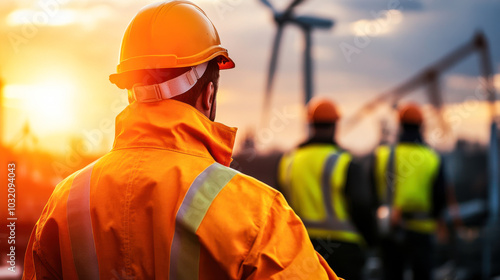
<point>57,106</point>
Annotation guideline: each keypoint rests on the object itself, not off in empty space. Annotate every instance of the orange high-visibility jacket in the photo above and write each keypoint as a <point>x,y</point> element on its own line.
<point>163,204</point>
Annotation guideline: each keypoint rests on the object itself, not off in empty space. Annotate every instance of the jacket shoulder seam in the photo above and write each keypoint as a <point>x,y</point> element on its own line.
<point>166,149</point>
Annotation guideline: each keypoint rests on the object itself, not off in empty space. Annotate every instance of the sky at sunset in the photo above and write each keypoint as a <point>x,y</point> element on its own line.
<point>57,55</point>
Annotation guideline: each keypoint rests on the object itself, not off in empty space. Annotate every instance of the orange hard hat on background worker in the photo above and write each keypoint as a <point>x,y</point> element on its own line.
<point>163,203</point>
<point>410,114</point>
<point>322,110</point>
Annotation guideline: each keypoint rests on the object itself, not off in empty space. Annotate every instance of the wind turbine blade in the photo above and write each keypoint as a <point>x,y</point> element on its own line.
<point>316,22</point>
<point>267,3</point>
<point>292,5</point>
<point>272,69</point>
<point>308,68</point>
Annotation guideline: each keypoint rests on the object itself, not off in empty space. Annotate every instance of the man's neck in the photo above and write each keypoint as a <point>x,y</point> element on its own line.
<point>411,134</point>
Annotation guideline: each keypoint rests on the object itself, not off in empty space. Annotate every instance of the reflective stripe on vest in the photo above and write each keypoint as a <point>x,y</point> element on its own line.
<point>331,222</point>
<point>80,226</point>
<point>391,171</point>
<point>185,250</point>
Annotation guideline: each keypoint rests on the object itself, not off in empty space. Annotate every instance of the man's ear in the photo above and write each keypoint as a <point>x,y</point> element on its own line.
<point>207,96</point>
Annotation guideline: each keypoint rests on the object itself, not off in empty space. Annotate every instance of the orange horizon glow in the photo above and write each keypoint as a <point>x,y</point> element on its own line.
<point>49,106</point>
<point>57,74</point>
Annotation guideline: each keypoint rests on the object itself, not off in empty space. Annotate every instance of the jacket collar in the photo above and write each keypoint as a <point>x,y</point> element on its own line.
<point>173,125</point>
<point>411,134</point>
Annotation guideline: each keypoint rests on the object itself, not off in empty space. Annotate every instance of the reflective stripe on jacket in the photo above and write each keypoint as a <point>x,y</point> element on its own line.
<point>415,169</point>
<point>164,205</point>
<point>313,178</point>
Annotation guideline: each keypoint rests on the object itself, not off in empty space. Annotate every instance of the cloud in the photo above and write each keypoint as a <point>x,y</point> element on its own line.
<point>378,5</point>
<point>88,18</point>
<point>84,37</point>
<point>382,24</point>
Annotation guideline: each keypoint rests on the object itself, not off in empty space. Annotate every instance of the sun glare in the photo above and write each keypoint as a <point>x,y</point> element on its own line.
<point>47,107</point>
<point>40,17</point>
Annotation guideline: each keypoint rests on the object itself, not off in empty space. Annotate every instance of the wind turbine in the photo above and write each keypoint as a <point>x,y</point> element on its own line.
<point>306,24</point>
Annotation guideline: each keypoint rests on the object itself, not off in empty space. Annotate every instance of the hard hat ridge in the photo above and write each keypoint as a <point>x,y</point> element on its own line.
<point>172,34</point>
<point>410,114</point>
<point>322,110</point>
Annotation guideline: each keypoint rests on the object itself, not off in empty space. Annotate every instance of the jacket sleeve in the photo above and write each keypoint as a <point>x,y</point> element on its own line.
<point>282,249</point>
<point>36,262</point>
<point>29,266</point>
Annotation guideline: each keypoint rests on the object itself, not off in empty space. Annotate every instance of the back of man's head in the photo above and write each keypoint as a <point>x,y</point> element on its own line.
<point>157,76</point>
<point>322,116</point>
<point>171,50</point>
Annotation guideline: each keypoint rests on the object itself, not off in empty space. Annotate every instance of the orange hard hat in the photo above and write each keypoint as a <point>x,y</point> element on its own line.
<point>410,114</point>
<point>170,34</point>
<point>322,110</point>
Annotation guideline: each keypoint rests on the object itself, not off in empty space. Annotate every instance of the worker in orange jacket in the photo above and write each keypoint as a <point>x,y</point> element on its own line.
<point>163,203</point>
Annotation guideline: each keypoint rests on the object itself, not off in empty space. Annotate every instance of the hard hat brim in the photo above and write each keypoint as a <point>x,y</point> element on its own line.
<point>169,35</point>
<point>225,62</point>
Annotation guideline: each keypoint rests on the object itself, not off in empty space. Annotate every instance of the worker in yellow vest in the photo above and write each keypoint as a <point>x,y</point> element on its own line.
<point>325,188</point>
<point>410,186</point>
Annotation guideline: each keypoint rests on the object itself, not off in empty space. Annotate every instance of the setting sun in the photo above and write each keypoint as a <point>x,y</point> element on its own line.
<point>48,107</point>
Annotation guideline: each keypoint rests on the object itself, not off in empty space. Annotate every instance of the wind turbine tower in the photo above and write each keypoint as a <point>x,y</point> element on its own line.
<point>307,24</point>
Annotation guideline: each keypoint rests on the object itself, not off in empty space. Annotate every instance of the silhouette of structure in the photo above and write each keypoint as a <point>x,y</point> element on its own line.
<point>307,24</point>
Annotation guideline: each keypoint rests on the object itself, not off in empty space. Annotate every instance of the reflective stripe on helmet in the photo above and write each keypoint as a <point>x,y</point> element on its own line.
<point>171,88</point>
<point>80,226</point>
<point>185,250</point>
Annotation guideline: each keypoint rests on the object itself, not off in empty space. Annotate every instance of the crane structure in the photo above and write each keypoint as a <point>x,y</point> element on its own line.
<point>430,77</point>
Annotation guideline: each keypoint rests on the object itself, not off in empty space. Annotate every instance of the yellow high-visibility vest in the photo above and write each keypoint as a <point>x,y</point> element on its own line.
<point>414,170</point>
<point>313,179</point>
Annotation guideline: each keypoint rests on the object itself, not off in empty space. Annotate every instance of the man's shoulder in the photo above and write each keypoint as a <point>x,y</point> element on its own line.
<point>247,190</point>
<point>55,208</point>
<point>384,149</point>
<point>245,201</point>
<point>63,187</point>
<point>247,183</point>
